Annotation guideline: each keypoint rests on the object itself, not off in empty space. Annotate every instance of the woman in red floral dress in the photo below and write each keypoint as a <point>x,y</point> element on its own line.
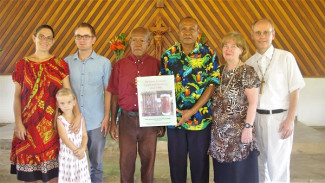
<point>37,78</point>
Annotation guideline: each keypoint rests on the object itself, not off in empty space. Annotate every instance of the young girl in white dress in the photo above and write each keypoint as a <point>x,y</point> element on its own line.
<point>73,164</point>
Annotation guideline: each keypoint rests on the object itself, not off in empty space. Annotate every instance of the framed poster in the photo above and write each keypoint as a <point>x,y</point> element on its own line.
<point>156,100</point>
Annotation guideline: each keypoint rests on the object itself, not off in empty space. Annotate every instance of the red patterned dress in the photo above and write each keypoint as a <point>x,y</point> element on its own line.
<point>36,157</point>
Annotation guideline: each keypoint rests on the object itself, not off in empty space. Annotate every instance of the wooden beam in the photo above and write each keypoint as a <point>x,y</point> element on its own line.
<point>160,4</point>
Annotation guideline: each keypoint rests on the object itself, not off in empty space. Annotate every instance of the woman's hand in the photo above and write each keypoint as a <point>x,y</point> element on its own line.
<point>20,131</point>
<point>246,136</point>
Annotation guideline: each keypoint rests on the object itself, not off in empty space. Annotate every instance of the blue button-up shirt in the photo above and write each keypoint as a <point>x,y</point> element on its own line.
<point>88,80</point>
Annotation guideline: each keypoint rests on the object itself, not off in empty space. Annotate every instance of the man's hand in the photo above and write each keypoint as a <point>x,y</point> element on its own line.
<point>105,126</point>
<point>286,128</point>
<point>161,131</point>
<point>114,131</point>
<point>186,114</point>
<point>75,125</point>
<point>20,131</point>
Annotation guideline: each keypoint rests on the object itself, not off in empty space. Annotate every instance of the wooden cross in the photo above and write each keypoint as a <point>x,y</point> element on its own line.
<point>158,30</point>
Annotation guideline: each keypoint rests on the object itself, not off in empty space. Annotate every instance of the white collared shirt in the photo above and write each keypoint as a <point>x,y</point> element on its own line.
<point>282,76</point>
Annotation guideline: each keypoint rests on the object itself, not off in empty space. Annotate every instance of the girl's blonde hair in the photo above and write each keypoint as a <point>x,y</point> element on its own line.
<point>240,41</point>
<point>65,92</point>
<point>60,93</point>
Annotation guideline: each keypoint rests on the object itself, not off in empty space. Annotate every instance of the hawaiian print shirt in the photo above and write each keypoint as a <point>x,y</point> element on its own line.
<point>193,73</point>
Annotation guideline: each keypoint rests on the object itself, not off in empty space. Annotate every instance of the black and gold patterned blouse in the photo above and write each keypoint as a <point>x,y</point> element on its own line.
<point>229,115</point>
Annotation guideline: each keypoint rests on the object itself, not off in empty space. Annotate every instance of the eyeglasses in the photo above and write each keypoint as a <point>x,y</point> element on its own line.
<point>42,37</point>
<point>85,37</point>
<point>265,33</point>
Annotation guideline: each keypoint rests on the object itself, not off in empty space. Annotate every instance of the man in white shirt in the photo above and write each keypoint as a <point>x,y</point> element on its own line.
<point>278,99</point>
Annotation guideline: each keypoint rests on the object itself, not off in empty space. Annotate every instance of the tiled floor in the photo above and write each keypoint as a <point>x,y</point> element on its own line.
<point>307,160</point>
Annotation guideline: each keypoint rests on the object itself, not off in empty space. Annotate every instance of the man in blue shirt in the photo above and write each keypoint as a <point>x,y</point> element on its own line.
<point>89,76</point>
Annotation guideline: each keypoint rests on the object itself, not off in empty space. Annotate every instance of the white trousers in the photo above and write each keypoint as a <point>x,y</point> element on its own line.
<point>274,158</point>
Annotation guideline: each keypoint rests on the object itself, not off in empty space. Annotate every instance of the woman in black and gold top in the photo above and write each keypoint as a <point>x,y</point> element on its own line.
<point>233,143</point>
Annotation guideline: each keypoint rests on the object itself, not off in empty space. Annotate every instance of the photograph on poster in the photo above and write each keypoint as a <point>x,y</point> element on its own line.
<point>156,103</point>
<point>156,98</point>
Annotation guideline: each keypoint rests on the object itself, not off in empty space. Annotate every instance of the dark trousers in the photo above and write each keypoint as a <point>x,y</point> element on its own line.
<point>193,143</point>
<point>131,138</point>
<point>245,171</point>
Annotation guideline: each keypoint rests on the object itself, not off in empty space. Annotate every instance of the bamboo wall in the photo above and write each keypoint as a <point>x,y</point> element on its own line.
<point>299,24</point>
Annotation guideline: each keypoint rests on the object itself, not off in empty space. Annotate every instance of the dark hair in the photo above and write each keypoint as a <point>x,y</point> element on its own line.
<point>265,19</point>
<point>44,26</point>
<point>84,24</point>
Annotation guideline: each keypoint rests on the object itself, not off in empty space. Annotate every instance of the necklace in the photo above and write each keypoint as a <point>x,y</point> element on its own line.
<point>263,74</point>
<point>226,89</point>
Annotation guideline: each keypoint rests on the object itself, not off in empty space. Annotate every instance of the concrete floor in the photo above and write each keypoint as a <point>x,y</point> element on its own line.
<point>307,160</point>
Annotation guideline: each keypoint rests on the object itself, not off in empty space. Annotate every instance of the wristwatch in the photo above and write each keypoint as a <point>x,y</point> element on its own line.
<point>247,125</point>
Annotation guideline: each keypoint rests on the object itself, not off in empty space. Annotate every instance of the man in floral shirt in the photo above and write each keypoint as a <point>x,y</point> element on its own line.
<point>195,67</point>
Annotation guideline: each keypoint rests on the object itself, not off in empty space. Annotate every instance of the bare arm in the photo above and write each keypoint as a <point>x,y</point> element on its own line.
<point>80,152</point>
<point>186,114</point>
<point>84,135</point>
<point>114,110</point>
<point>64,136</point>
<point>252,97</point>
<point>75,125</point>
<point>107,104</point>
<point>20,130</point>
<point>287,125</point>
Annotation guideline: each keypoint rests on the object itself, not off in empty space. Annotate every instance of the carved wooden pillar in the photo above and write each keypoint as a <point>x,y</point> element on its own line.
<point>158,29</point>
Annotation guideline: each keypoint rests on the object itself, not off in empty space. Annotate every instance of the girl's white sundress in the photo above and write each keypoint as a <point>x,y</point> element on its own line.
<point>71,169</point>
